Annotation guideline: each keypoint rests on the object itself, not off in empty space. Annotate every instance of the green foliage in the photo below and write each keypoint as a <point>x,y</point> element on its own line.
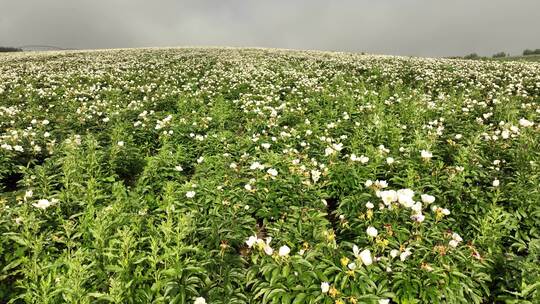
<point>268,176</point>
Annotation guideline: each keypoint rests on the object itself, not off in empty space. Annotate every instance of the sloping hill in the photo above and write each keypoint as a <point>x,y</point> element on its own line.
<point>224,175</point>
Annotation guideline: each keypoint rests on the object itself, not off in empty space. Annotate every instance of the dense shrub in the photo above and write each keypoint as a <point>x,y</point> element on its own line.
<point>471,56</point>
<point>4,49</point>
<point>531,52</point>
<point>499,55</point>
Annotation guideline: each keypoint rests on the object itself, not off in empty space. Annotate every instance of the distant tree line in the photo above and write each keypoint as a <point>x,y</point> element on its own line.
<point>476,56</point>
<point>496,55</point>
<point>531,52</point>
<point>4,49</point>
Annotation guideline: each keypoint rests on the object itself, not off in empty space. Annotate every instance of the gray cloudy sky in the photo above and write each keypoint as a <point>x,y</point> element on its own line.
<point>404,27</point>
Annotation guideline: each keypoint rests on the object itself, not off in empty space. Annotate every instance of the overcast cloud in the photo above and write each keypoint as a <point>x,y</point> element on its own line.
<point>404,27</point>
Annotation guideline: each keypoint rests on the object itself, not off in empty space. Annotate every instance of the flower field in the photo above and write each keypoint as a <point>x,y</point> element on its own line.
<point>267,176</point>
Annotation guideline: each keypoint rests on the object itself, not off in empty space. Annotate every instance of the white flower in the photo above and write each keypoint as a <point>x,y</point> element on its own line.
<point>356,251</point>
<point>372,231</point>
<point>426,154</point>
<point>388,196</point>
<point>200,160</point>
<point>417,207</point>
<point>232,166</point>
<point>514,129</point>
<point>337,147</point>
<point>45,122</point>
<point>255,166</point>
<point>453,243</point>
<point>251,241</point>
<point>42,204</point>
<point>329,151</point>
<point>28,193</point>
<point>272,172</point>
<point>352,266</point>
<point>381,184</point>
<point>460,168</point>
<point>405,254</point>
<point>315,175</point>
<point>18,148</point>
<point>525,123</point>
<point>325,287</point>
<point>405,197</point>
<point>456,237</point>
<point>394,253</point>
<point>418,217</point>
<point>266,145</point>
<point>284,250</point>
<point>248,187</point>
<point>428,199</point>
<point>362,159</point>
<point>370,205</point>
<point>266,245</point>
<point>445,211</point>
<point>200,300</point>
<point>384,301</point>
<point>365,256</point>
<point>190,194</point>
<point>268,250</point>
<point>368,183</point>
<point>496,183</point>
<point>389,160</point>
<point>178,168</point>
